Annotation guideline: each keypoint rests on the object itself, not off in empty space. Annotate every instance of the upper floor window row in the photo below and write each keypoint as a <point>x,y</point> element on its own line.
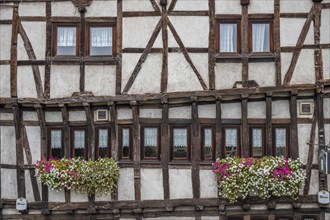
<point>99,40</point>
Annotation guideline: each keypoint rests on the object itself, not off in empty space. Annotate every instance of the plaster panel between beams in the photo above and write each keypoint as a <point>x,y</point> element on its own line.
<point>137,5</point>
<point>28,187</point>
<point>180,183</point>
<point>326,108</point>
<point>285,64</point>
<point>304,71</point>
<point>26,86</point>
<point>53,116</point>
<point>77,116</point>
<point>231,111</point>
<point>30,116</point>
<point>64,81</point>
<point>292,6</point>
<point>201,62</point>
<point>180,112</point>
<point>152,184</point>
<point>56,196</point>
<point>78,197</point>
<point>129,61</point>
<point>102,9</point>
<point>126,184</point>
<point>70,9</point>
<point>4,80</point>
<point>226,74</point>
<point>32,9</point>
<point>314,184</point>
<point>326,63</point>
<point>5,41</point>
<point>207,111</point>
<point>324,29</point>
<point>103,198</point>
<point>6,116</point>
<point>261,6</point>
<point>21,51</point>
<point>281,109</point>
<point>228,7</point>
<point>256,109</point>
<point>150,113</point>
<point>8,145</point>
<point>124,113</point>
<point>191,5</point>
<point>304,131</point>
<point>8,184</point>
<point>6,13</point>
<point>263,73</point>
<point>208,184</point>
<point>34,138</point>
<point>101,80</point>
<point>34,30</point>
<point>291,29</point>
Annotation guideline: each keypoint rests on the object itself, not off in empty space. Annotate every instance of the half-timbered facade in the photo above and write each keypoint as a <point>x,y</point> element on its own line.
<point>165,87</point>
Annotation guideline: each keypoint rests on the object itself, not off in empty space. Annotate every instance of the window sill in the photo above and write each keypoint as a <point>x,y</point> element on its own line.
<point>100,60</point>
<point>238,58</point>
<point>267,57</point>
<point>224,58</point>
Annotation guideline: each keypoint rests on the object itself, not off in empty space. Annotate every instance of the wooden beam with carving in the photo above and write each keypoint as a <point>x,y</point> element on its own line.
<point>211,49</point>
<point>13,52</point>
<point>318,60</point>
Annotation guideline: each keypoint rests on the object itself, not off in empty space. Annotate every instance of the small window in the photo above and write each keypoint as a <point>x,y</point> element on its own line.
<point>150,143</point>
<point>180,143</point>
<point>228,38</point>
<point>55,144</point>
<point>79,148</point>
<point>208,143</point>
<point>257,142</point>
<point>281,141</point>
<point>103,148</point>
<point>101,40</point>
<point>261,37</point>
<point>125,143</point>
<point>65,41</point>
<point>231,142</point>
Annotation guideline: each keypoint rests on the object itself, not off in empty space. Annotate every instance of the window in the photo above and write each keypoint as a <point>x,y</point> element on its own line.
<point>257,141</point>
<point>281,141</point>
<point>101,40</point>
<point>65,40</point>
<point>228,38</point>
<point>103,144</point>
<point>208,146</point>
<point>180,149</point>
<point>55,143</point>
<point>125,143</point>
<point>150,142</point>
<point>231,141</point>
<point>261,38</point>
<point>79,140</point>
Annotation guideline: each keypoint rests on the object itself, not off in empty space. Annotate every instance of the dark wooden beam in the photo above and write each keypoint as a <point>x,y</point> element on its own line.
<point>164,77</point>
<point>114,140</point>
<point>219,152</point>
<point>323,182</point>
<point>66,130</point>
<point>294,149</point>
<point>48,50</point>
<point>212,37</point>
<point>90,130</point>
<point>140,13</point>
<point>82,51</point>
<point>293,15</point>
<point>269,144</point>
<point>245,150</point>
<point>165,152</point>
<point>136,151</point>
<point>245,42</point>
<point>155,6</point>
<point>189,13</point>
<point>172,6</point>
<point>195,145</point>
<point>318,60</point>
<point>13,52</point>
<point>119,42</point>
<point>277,42</point>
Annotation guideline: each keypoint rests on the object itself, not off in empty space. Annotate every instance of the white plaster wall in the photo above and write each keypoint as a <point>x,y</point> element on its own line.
<point>281,109</point>
<point>181,77</point>
<point>26,87</point>
<point>8,178</point>
<point>138,30</point>
<point>101,80</point>
<point>53,116</point>
<point>256,109</point>
<point>126,184</point>
<point>33,134</point>
<point>180,112</point>
<point>78,197</point>
<point>149,77</point>
<point>6,116</point>
<point>56,196</point>
<point>30,116</point>
<point>106,197</point>
<point>29,189</point>
<point>137,5</point>
<point>326,108</point>
<point>77,116</point>
<point>4,79</point>
<point>228,7</point>
<point>231,110</point>
<point>304,131</point>
<point>325,23</point>
<point>226,74</point>
<point>191,5</point>
<point>64,80</point>
<point>196,35</point>
<point>102,9</point>
<point>207,111</point>
<point>304,71</point>
<point>70,10</point>
<point>285,63</point>
<point>327,132</point>
<point>261,6</point>
<point>8,145</point>
<point>208,184</point>
<point>326,63</point>
<point>129,62</point>
<point>292,6</point>
<point>32,9</point>
<point>290,31</point>
<point>21,51</point>
<point>201,62</point>
<point>151,184</point>
<point>34,30</point>
<point>262,73</point>
<point>314,184</point>
<point>6,13</point>
<point>210,218</point>
<point>124,113</point>
<point>5,41</point>
<point>180,183</point>
<point>150,113</point>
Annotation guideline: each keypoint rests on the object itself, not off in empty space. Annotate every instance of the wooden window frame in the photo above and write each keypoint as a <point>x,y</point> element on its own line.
<point>238,128</point>
<point>120,143</point>
<point>188,158</point>
<point>263,133</point>
<point>54,38</point>
<point>88,34</point>
<point>287,127</point>
<point>97,131</point>
<point>271,37</point>
<point>238,37</point>
<point>49,141</point>
<point>157,158</point>
<point>73,129</point>
<point>203,127</point>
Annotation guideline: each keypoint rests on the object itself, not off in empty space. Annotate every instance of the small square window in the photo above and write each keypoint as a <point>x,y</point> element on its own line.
<point>180,143</point>
<point>261,38</point>
<point>228,38</point>
<point>65,41</point>
<point>150,143</point>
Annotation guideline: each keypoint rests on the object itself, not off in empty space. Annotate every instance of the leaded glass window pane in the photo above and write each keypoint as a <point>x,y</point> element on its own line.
<point>126,142</point>
<point>79,143</point>
<point>103,142</point>
<point>150,142</point>
<point>257,142</point>
<point>280,141</point>
<point>208,143</point>
<point>231,142</point>
<point>180,143</point>
<point>56,143</point>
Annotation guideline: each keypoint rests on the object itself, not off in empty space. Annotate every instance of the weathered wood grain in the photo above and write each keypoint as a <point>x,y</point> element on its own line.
<point>13,52</point>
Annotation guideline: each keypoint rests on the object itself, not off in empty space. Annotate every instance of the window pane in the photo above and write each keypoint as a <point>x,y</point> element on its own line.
<point>101,41</point>
<point>66,41</point>
<point>126,143</point>
<point>228,37</point>
<point>280,141</point>
<point>79,143</point>
<point>180,143</point>
<point>260,38</point>
<point>150,142</point>
<point>56,143</point>
<point>208,143</point>
<point>231,142</point>
<point>103,142</point>
<point>257,142</point>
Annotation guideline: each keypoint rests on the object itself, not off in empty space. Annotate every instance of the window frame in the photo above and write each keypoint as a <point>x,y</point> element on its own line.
<point>187,127</point>
<point>287,150</point>
<point>271,37</point>
<point>97,147</point>
<point>203,127</point>
<point>238,139</point>
<point>54,38</point>
<point>88,35</point>
<point>49,141</point>
<point>120,143</point>
<point>73,129</point>
<point>263,143</point>
<point>238,37</point>
<point>157,158</point>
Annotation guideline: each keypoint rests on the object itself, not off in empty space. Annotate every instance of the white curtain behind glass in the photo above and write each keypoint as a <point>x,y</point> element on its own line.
<point>228,34</point>
<point>280,137</point>
<point>66,36</point>
<point>150,137</point>
<point>231,137</point>
<point>101,37</point>
<point>260,38</point>
<point>257,137</point>
<point>103,138</point>
<point>125,137</point>
<point>56,137</point>
<point>79,139</point>
<point>208,137</point>
<point>180,137</point>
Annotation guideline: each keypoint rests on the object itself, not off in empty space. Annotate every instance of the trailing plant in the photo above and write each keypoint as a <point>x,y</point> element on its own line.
<point>83,176</point>
<point>266,177</point>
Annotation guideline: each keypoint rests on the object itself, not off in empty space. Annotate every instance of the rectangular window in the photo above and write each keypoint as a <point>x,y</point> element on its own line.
<point>79,148</point>
<point>103,148</point>
<point>231,142</point>
<point>261,41</point>
<point>56,148</point>
<point>125,143</point>
<point>257,141</point>
<point>65,40</point>
<point>228,38</point>
<point>150,143</point>
<point>281,137</point>
<point>101,40</point>
<point>180,143</point>
<point>208,148</point>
